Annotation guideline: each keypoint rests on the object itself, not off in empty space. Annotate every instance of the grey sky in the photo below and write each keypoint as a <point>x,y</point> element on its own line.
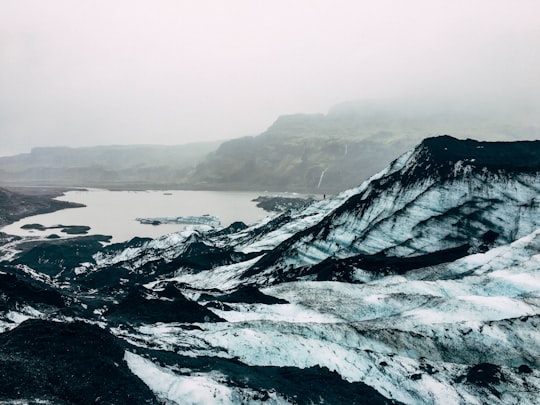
<point>114,72</point>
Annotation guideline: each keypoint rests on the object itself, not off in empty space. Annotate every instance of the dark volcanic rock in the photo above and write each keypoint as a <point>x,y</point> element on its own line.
<point>73,363</point>
<point>54,256</point>
<point>278,204</point>
<point>74,229</point>
<point>132,243</point>
<point>144,306</point>
<point>37,227</point>
<point>197,256</point>
<point>443,152</point>
<point>69,229</point>
<point>485,374</point>
<point>248,295</point>
<point>14,290</point>
<point>524,369</point>
<point>310,385</point>
<point>14,205</point>
<point>232,228</point>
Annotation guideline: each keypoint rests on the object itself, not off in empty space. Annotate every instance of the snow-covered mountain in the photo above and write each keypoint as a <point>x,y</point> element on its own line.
<point>443,194</point>
<point>422,285</point>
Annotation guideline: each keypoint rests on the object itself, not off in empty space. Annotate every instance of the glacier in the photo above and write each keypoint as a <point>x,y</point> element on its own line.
<point>421,285</point>
<point>436,330</point>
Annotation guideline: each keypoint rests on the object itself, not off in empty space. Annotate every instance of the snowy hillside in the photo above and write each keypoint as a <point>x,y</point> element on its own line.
<point>443,194</point>
<point>422,285</point>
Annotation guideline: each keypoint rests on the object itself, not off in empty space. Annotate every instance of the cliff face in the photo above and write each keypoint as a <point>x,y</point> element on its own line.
<point>300,154</point>
<point>334,152</point>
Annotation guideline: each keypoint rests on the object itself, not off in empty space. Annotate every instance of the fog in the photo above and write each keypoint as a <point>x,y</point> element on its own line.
<point>81,73</point>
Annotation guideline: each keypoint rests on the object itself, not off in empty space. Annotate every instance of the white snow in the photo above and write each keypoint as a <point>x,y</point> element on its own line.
<point>277,312</point>
<point>13,318</point>
<point>175,388</point>
<point>222,277</point>
<point>201,388</point>
<point>474,311</point>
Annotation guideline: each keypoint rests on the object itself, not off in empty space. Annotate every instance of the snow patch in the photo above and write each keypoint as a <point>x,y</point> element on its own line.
<point>209,388</point>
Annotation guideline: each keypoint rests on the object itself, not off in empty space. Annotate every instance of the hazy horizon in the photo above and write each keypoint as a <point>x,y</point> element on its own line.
<point>77,73</point>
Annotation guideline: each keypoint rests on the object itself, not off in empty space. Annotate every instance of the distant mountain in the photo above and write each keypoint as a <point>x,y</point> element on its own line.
<point>311,153</point>
<point>301,153</point>
<point>330,153</point>
<point>130,166</point>
<point>421,285</point>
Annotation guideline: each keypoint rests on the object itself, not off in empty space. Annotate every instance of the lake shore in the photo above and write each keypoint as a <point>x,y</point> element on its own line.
<point>114,213</point>
<point>20,202</point>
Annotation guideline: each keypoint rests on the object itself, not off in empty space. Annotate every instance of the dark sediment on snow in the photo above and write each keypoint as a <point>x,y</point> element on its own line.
<point>169,305</point>
<point>308,385</point>
<point>280,204</point>
<point>66,363</point>
<point>379,264</point>
<point>13,291</point>
<point>247,295</point>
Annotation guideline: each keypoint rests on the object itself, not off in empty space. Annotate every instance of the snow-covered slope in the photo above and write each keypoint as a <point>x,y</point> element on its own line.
<point>443,194</point>
<point>422,285</point>
<point>424,337</point>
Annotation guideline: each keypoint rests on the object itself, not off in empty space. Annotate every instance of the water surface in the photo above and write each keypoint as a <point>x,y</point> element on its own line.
<point>114,212</point>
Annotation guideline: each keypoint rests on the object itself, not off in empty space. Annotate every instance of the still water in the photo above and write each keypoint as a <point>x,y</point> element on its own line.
<point>114,212</point>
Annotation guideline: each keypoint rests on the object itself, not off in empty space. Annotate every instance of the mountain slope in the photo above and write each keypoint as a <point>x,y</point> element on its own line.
<point>443,194</point>
<point>330,153</point>
<point>299,153</point>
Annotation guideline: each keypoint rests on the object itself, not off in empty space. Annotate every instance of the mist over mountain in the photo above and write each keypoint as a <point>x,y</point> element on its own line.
<point>405,271</point>
<point>333,152</point>
<point>129,166</point>
<point>421,285</point>
<point>313,153</point>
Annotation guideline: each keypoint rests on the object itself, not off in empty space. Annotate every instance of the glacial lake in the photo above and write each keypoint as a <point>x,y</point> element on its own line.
<point>114,212</point>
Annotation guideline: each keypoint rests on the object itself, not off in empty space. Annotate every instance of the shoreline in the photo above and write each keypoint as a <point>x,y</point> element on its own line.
<point>45,202</point>
<point>166,186</point>
<point>16,204</point>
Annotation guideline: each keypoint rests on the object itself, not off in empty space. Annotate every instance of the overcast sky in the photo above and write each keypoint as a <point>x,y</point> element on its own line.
<point>80,73</point>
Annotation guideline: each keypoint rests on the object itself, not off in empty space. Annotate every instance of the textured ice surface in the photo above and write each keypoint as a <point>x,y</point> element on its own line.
<point>418,337</point>
<point>207,388</point>
<point>482,308</point>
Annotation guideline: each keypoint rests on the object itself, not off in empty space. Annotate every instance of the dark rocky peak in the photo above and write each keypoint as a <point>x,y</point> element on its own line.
<point>445,157</point>
<point>445,194</point>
